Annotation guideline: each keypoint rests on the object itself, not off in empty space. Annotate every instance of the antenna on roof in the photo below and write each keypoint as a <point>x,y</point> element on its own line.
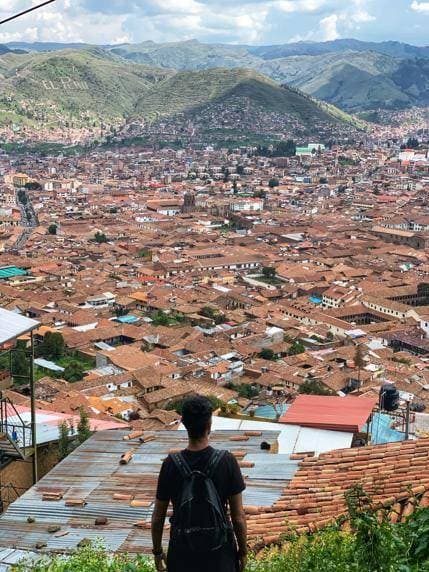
<point>26,11</point>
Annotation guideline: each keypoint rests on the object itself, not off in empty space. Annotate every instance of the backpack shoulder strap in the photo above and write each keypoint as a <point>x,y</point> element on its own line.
<point>181,464</point>
<point>214,461</point>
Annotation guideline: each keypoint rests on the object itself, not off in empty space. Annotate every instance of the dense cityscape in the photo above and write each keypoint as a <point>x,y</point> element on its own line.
<point>260,248</point>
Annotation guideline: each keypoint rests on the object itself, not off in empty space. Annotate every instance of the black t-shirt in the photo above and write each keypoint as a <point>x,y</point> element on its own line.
<point>227,477</point>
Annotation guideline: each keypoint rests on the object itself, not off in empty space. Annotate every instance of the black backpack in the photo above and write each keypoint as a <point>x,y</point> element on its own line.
<point>200,523</point>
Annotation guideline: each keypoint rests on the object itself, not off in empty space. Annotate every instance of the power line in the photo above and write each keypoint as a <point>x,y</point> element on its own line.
<point>26,11</point>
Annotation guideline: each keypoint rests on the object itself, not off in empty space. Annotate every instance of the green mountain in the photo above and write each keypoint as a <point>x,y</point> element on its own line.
<point>356,81</point>
<point>94,88</point>
<point>234,99</point>
<point>351,74</point>
<point>71,87</point>
<point>189,55</point>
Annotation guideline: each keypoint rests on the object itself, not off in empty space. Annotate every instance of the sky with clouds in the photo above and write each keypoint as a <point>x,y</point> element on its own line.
<point>229,21</point>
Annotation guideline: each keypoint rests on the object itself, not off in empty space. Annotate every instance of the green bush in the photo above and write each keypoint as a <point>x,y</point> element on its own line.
<point>89,559</point>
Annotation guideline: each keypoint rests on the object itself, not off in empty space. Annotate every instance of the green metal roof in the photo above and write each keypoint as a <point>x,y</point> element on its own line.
<point>11,272</point>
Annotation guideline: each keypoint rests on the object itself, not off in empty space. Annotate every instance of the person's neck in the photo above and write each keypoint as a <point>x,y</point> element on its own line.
<point>198,444</point>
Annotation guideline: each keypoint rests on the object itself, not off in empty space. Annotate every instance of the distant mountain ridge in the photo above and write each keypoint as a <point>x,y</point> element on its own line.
<point>390,48</point>
<point>393,49</point>
<point>93,87</point>
<point>351,74</point>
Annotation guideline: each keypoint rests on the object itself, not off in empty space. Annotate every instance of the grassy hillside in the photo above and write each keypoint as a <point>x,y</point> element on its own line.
<point>192,92</point>
<point>351,74</point>
<point>348,73</point>
<point>78,86</point>
<point>94,88</point>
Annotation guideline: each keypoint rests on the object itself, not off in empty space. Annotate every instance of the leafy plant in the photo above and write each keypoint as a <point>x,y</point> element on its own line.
<point>268,354</point>
<point>63,440</point>
<point>83,427</point>
<point>74,372</point>
<point>89,558</point>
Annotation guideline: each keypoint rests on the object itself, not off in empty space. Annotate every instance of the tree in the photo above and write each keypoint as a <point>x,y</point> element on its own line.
<point>52,229</point>
<point>213,314</point>
<point>74,372</point>
<point>314,387</point>
<point>330,336</point>
<point>216,403</point>
<point>269,272</point>
<point>246,390</point>
<point>22,197</point>
<point>19,363</point>
<point>208,312</point>
<point>83,427</point>
<point>412,143</point>
<point>33,186</point>
<point>273,183</point>
<point>52,347</point>
<point>160,318</point>
<point>296,348</point>
<point>268,354</point>
<point>145,253</point>
<point>120,311</point>
<point>286,148</point>
<point>63,440</point>
<point>281,149</point>
<point>100,237</point>
<point>260,194</point>
<point>359,360</point>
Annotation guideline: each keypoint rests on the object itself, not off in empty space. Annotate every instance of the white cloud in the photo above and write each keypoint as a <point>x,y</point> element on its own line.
<point>300,5</point>
<point>339,23</point>
<point>359,12</point>
<point>235,21</point>
<point>328,28</point>
<point>422,7</point>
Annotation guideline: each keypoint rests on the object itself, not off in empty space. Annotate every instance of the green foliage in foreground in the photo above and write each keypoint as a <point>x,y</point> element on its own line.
<point>373,545</point>
<point>89,559</point>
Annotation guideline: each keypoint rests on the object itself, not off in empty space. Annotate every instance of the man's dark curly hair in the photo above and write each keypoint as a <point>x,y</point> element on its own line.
<point>196,415</point>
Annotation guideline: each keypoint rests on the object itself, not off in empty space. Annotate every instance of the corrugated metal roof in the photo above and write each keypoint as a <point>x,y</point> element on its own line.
<point>13,325</point>
<point>93,473</point>
<point>292,438</point>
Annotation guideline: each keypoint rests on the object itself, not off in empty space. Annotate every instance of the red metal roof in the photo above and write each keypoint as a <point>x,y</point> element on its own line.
<point>335,413</point>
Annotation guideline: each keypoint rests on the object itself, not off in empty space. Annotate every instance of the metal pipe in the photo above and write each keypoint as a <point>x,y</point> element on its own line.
<point>33,412</point>
<point>407,422</point>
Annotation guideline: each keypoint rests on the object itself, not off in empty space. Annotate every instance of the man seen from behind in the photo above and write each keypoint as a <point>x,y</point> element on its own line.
<point>202,483</point>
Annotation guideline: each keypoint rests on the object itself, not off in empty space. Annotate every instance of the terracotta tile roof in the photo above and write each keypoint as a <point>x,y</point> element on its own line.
<point>390,474</point>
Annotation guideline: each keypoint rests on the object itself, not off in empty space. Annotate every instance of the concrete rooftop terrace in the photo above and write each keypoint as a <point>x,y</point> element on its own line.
<point>94,474</point>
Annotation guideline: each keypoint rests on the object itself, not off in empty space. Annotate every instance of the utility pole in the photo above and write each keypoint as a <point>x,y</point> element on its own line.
<point>33,412</point>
